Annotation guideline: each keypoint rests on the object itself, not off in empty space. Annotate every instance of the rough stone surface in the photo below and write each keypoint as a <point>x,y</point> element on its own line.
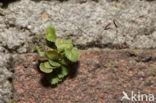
<point>5,74</point>
<point>100,78</point>
<point>90,23</point>
<point>105,24</point>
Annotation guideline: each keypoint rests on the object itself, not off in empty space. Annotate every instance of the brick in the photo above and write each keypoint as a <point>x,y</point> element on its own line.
<point>100,77</point>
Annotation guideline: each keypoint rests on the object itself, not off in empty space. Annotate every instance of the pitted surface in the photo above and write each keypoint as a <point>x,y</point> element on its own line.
<point>104,24</point>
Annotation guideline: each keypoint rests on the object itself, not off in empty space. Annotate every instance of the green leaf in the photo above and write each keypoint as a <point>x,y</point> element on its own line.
<point>52,54</point>
<point>64,61</point>
<point>35,48</point>
<point>53,77</point>
<point>63,72</point>
<point>69,41</point>
<point>60,76</point>
<point>44,69</point>
<point>57,75</point>
<point>72,55</point>
<point>55,80</point>
<point>63,44</point>
<point>41,54</point>
<point>50,34</point>
<point>47,65</point>
<point>54,64</point>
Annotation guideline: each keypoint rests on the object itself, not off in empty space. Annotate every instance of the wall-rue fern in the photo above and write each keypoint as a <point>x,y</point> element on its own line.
<point>58,61</point>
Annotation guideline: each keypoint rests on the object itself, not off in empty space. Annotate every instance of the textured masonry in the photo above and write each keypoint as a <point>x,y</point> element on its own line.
<point>99,77</point>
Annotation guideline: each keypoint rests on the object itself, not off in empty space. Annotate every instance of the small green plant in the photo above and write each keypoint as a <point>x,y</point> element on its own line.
<point>57,63</point>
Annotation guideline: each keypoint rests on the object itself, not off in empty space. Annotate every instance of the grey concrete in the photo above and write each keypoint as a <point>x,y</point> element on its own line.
<point>5,74</point>
<point>105,24</point>
<point>85,22</point>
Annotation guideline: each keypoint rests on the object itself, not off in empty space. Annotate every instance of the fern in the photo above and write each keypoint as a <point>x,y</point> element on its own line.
<point>56,67</point>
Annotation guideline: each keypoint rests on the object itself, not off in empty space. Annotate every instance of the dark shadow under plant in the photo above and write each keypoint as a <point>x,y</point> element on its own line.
<point>72,74</point>
<point>57,62</point>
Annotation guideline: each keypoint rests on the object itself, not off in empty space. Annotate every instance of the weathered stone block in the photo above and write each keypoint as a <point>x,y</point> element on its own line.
<point>101,77</point>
